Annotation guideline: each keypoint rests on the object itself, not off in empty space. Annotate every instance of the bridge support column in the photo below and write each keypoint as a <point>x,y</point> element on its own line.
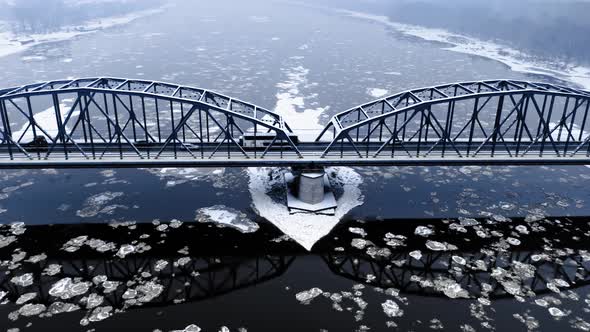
<point>309,191</point>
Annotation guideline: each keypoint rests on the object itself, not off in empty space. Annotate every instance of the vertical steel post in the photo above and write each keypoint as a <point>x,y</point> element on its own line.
<point>381,127</point>
<point>584,120</point>
<point>562,121</point>
<point>497,123</point>
<point>394,138</point>
<point>60,125</point>
<point>133,117</point>
<point>33,123</point>
<point>181,118</point>
<point>87,116</point>
<point>145,127</point>
<point>201,133</point>
<point>474,116</point>
<point>118,127</point>
<point>7,131</point>
<point>158,119</point>
<point>420,132</point>
<point>524,107</point>
<point>173,132</point>
<point>82,117</point>
<point>571,128</point>
<point>368,139</point>
<point>106,110</point>
<point>547,131</point>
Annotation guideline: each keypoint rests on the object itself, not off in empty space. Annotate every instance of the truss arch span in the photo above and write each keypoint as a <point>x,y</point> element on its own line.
<point>469,120</point>
<point>94,118</point>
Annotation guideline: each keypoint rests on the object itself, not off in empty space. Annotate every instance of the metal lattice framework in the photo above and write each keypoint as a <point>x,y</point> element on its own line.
<point>489,120</point>
<point>114,118</point>
<point>201,278</point>
<point>419,276</point>
<point>115,122</point>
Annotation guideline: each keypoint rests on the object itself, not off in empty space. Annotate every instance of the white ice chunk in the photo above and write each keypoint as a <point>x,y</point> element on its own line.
<point>226,216</point>
<point>376,92</point>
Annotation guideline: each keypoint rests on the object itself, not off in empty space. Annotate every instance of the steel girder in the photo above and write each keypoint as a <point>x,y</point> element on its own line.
<point>116,122</point>
<point>147,119</point>
<point>500,118</point>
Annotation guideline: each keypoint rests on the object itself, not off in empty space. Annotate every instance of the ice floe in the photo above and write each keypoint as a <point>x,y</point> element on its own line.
<point>66,288</point>
<point>305,297</point>
<point>190,328</point>
<point>96,204</point>
<point>225,216</point>
<point>391,309</point>
<point>178,176</point>
<point>31,309</point>
<point>376,92</point>
<point>439,246</point>
<point>23,280</point>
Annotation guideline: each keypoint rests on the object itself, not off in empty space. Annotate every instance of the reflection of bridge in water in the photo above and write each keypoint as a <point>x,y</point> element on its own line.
<point>202,278</point>
<point>107,122</point>
<point>215,271</point>
<point>418,277</point>
<point>220,270</point>
<point>198,278</point>
<point>489,267</point>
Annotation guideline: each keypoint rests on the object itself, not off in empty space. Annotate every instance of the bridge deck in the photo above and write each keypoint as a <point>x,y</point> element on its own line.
<point>311,155</point>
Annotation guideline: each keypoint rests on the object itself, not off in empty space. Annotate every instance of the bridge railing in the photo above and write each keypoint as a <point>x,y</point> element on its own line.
<point>491,119</point>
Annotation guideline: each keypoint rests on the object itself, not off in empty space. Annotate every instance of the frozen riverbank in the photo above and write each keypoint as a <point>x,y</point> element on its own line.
<point>11,43</point>
<point>515,59</point>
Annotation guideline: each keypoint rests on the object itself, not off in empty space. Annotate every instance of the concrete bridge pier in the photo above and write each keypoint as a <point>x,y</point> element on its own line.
<point>309,191</point>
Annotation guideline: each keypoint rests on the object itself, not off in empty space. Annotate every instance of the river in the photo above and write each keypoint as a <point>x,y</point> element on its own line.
<point>307,64</point>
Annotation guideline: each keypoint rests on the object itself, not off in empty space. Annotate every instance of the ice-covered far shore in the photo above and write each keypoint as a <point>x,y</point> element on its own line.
<point>518,61</point>
<point>11,43</point>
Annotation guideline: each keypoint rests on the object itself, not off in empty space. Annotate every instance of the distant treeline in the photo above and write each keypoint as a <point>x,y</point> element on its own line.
<point>39,16</point>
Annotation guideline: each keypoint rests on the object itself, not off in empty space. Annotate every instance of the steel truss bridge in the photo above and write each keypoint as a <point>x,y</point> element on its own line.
<point>115,122</point>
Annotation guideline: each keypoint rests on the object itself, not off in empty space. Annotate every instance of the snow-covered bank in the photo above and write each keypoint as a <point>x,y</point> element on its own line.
<point>11,43</point>
<point>267,188</point>
<point>517,61</point>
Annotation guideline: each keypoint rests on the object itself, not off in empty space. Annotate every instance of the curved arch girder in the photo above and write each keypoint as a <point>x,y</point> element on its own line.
<point>94,118</point>
<point>466,120</point>
<point>149,88</point>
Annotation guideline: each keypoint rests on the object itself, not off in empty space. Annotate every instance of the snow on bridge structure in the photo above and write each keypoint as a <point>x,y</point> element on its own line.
<point>117,122</point>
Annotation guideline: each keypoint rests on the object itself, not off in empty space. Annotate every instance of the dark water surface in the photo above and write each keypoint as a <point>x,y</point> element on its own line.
<point>490,275</point>
<point>137,259</point>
